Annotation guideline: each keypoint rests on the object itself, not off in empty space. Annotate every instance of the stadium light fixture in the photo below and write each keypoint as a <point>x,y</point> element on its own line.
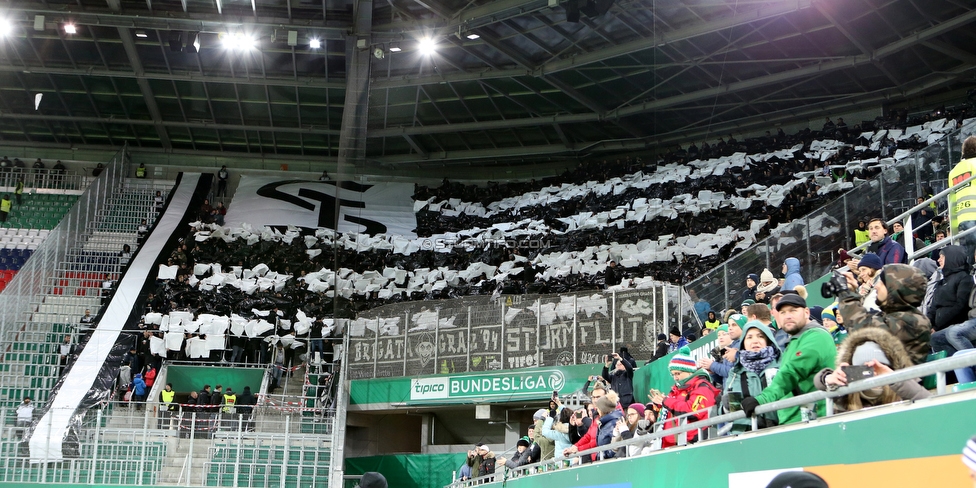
<point>238,41</point>
<point>315,43</point>
<point>70,28</point>
<point>141,34</point>
<point>395,47</point>
<point>473,36</point>
<point>6,27</point>
<point>427,46</point>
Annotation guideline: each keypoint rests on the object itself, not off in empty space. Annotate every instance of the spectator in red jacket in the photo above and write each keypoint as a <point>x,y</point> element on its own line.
<point>692,392</point>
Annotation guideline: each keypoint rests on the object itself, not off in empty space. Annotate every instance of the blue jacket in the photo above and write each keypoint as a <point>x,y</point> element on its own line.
<point>701,309</point>
<point>561,439</point>
<point>889,251</point>
<point>722,368</point>
<point>793,277</point>
<point>605,434</point>
<point>678,345</point>
<point>138,385</point>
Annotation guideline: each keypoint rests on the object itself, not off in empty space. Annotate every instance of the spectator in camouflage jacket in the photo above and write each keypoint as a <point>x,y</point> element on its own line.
<point>901,289</point>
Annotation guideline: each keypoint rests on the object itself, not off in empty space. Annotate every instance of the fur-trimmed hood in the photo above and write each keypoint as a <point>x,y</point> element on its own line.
<point>892,347</point>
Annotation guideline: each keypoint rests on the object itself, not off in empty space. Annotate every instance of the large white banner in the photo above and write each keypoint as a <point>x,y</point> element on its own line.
<point>371,209</point>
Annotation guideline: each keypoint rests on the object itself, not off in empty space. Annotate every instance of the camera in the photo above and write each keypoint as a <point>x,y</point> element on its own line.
<point>834,286</point>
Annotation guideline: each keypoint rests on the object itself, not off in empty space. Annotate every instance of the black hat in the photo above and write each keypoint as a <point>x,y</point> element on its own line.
<point>372,479</point>
<point>675,331</point>
<point>522,442</point>
<point>791,299</point>
<point>662,337</point>
<point>797,479</point>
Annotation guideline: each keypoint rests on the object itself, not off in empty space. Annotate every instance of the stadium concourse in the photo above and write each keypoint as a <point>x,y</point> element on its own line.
<point>491,242</point>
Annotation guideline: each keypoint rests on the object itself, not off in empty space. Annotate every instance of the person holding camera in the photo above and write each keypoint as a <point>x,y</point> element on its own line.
<point>900,289</point>
<point>872,351</point>
<point>619,373</point>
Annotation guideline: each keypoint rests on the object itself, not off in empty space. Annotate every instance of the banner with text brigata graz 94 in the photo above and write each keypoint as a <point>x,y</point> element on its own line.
<point>372,208</point>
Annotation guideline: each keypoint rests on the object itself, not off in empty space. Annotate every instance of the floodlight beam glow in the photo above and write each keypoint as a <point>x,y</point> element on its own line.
<point>427,46</point>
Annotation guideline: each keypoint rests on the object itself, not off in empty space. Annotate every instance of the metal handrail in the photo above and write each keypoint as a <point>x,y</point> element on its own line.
<point>938,368</point>
<point>901,217</point>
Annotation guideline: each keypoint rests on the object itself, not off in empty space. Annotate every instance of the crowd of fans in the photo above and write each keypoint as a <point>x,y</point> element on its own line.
<point>886,315</point>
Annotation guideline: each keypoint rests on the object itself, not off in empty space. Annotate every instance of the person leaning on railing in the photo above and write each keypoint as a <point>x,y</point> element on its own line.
<point>881,351</point>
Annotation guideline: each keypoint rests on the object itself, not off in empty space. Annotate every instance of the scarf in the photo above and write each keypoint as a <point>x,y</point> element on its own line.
<point>756,361</point>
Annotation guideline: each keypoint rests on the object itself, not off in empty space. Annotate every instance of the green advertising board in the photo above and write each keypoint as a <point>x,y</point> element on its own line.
<point>481,387</point>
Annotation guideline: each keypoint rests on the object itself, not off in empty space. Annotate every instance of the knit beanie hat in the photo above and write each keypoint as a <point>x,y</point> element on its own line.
<point>767,276</point>
<point>540,414</point>
<point>682,361</point>
<point>747,302</point>
<point>638,407</point>
<point>754,277</point>
<point>969,454</point>
<point>722,328</point>
<point>372,479</point>
<point>868,351</point>
<point>675,331</point>
<point>523,442</point>
<point>739,319</point>
<point>871,260</point>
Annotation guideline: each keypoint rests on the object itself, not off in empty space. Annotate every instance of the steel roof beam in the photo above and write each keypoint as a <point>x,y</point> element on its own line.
<point>168,123</point>
<point>147,94</point>
<point>650,106</point>
<point>191,22</point>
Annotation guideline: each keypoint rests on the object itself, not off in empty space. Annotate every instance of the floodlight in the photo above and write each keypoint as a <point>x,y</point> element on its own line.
<point>473,36</point>
<point>141,34</point>
<point>427,46</point>
<point>395,47</point>
<point>314,43</point>
<point>70,29</point>
<point>6,27</point>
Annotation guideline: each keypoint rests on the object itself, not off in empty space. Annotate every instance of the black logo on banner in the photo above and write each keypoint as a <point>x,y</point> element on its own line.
<point>327,209</point>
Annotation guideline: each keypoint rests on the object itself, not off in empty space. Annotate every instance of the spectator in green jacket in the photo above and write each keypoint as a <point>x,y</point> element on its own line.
<point>809,350</point>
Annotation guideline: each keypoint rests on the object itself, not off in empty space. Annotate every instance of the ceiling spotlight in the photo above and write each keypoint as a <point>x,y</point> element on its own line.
<point>427,46</point>
<point>70,29</point>
<point>473,36</point>
<point>237,41</point>
<point>141,34</point>
<point>315,43</point>
<point>5,27</point>
<point>395,47</point>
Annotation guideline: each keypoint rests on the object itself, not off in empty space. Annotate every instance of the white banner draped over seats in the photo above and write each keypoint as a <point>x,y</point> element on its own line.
<point>49,433</point>
<point>363,208</point>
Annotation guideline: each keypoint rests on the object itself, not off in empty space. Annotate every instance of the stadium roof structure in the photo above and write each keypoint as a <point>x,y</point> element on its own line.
<point>507,81</point>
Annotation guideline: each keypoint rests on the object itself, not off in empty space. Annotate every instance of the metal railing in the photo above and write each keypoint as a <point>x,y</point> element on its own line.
<point>42,267</point>
<point>938,368</point>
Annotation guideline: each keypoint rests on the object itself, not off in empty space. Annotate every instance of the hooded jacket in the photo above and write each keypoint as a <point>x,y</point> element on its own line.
<point>899,315</point>
<point>893,350</point>
<point>810,350</point>
<point>950,301</point>
<point>746,383</point>
<point>928,267</point>
<point>793,278</point>
<point>605,432</point>
<point>697,394</point>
